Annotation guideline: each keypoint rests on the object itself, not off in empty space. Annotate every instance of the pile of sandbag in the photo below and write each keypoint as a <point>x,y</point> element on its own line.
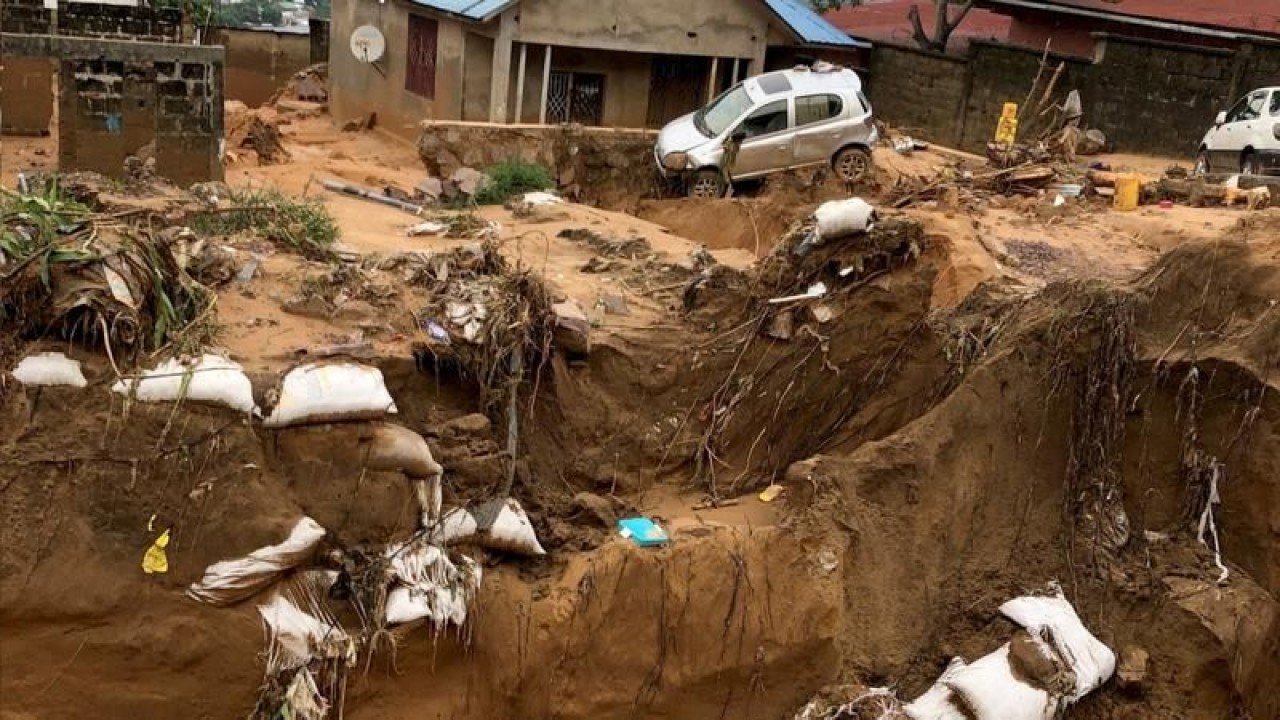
<point>426,584</point>
<point>1050,664</point>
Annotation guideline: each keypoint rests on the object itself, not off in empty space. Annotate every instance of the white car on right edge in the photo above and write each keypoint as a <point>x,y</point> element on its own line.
<point>1244,139</point>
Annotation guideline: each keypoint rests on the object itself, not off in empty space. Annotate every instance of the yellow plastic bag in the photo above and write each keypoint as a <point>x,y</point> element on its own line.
<point>155,560</point>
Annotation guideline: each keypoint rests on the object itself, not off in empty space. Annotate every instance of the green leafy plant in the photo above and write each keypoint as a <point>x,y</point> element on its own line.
<point>31,224</point>
<point>301,226</point>
<point>511,178</point>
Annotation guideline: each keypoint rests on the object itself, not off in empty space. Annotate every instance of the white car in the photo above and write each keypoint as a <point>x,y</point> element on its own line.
<point>1246,138</point>
<point>778,121</point>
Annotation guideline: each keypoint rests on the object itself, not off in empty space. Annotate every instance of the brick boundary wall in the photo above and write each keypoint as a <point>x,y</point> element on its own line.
<point>1148,96</point>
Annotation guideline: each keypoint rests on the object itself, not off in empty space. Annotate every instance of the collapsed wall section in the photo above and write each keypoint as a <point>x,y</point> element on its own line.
<point>597,165</point>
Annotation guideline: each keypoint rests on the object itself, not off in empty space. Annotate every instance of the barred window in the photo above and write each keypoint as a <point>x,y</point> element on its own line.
<point>420,61</point>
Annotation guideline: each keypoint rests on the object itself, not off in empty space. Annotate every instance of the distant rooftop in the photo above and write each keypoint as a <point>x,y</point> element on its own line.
<point>885,21</point>
<point>1261,17</point>
<point>806,25</point>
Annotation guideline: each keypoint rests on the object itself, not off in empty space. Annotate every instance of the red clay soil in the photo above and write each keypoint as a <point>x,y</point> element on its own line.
<point>934,465</point>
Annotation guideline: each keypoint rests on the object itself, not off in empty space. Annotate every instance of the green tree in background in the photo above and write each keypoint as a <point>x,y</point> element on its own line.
<point>251,12</point>
<point>319,8</point>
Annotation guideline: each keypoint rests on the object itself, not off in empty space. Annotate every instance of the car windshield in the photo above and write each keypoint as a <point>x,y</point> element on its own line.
<point>715,118</point>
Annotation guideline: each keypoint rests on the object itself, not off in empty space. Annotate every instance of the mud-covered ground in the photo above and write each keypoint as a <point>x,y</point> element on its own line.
<point>998,397</point>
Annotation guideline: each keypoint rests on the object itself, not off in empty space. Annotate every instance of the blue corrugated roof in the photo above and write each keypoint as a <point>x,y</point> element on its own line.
<point>809,25</point>
<point>470,9</point>
<point>803,21</point>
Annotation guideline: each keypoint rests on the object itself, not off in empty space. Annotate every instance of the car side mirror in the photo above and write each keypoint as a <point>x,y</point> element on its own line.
<point>738,136</point>
<point>1221,119</point>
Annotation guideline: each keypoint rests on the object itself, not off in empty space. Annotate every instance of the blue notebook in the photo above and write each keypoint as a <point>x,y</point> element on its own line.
<point>643,532</point>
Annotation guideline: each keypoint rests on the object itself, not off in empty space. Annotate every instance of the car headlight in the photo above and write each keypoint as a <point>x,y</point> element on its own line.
<point>675,161</point>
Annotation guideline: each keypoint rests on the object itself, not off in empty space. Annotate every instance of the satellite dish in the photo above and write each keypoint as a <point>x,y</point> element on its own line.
<point>368,44</point>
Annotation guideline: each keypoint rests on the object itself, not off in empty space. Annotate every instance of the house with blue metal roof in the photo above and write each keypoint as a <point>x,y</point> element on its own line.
<point>620,63</point>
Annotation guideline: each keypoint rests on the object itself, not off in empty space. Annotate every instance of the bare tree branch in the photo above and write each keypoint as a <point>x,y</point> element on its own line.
<point>917,31</point>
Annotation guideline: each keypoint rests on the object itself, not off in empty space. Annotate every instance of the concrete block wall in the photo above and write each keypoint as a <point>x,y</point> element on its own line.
<point>1001,74</point>
<point>25,16</point>
<point>122,22</point>
<point>1147,96</point>
<point>166,108</point>
<point>260,62</point>
<point>120,98</point>
<point>1260,68</point>
<point>936,83</point>
<point>1155,98</point>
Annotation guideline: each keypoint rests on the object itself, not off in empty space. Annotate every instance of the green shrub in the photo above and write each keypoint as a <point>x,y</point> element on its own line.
<point>303,226</point>
<point>511,178</point>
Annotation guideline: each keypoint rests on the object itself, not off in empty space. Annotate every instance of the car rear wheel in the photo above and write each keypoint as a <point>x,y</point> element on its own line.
<point>1202,164</point>
<point>852,164</point>
<point>706,184</point>
<point>1249,164</point>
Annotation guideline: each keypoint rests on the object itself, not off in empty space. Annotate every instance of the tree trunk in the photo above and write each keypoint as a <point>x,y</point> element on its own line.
<point>943,25</point>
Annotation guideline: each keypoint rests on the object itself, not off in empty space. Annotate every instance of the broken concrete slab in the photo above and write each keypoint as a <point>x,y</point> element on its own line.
<point>469,181</point>
<point>572,328</point>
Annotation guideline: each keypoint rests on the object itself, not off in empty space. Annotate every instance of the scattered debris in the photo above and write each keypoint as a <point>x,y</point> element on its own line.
<point>67,276</point>
<point>642,531</point>
<point>572,328</point>
<point>345,188</point>
<point>1131,672</point>
<point>156,560</point>
<point>771,493</point>
<point>614,304</point>
<point>428,227</point>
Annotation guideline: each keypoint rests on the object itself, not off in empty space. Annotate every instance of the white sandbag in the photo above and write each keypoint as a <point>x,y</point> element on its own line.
<point>393,448</point>
<point>1055,621</point>
<point>324,393</point>
<point>212,379</point>
<point>991,691</point>
<point>540,198</point>
<point>428,585</point>
<point>231,581</point>
<point>840,218</point>
<point>938,702</point>
<point>497,525</point>
<point>297,636</point>
<point>50,369</point>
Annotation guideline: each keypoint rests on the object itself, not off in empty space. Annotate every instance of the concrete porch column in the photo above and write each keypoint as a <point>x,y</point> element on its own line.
<point>759,45</point>
<point>500,85</point>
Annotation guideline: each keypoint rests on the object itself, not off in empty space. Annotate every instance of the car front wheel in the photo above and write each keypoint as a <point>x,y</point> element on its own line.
<point>852,164</point>
<point>1249,164</point>
<point>1202,164</point>
<point>706,184</point>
